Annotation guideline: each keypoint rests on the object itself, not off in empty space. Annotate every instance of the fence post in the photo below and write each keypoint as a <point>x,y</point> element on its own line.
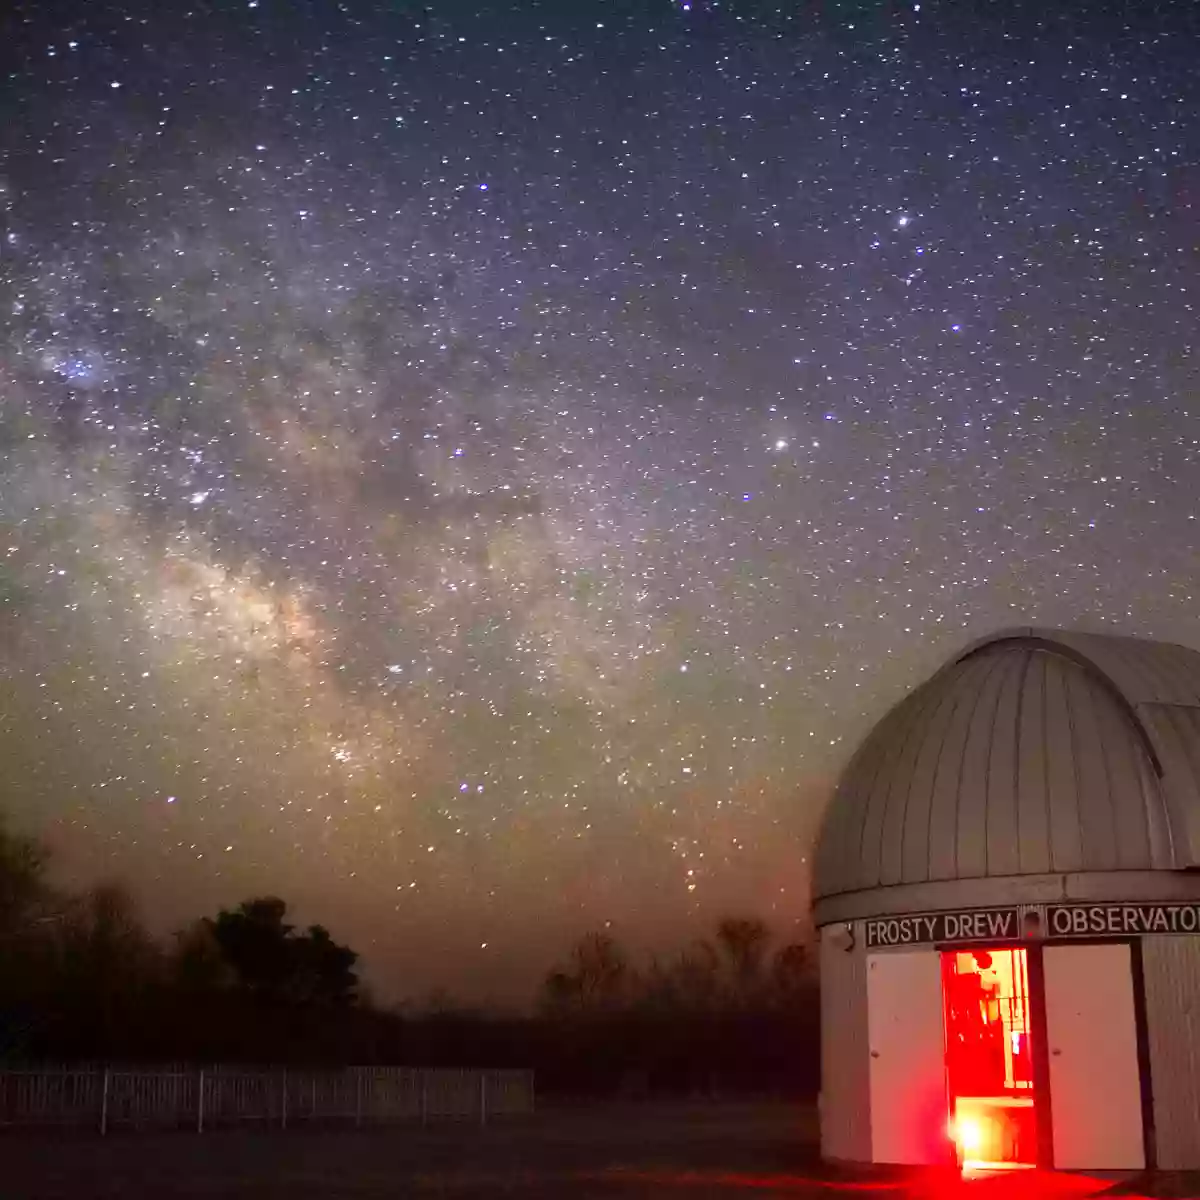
<point>283,1101</point>
<point>200,1103</point>
<point>104,1104</point>
<point>483,1097</point>
<point>424,1097</point>
<point>358,1095</point>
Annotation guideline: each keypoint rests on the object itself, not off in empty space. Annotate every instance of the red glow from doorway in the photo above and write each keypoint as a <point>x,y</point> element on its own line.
<point>988,1057</point>
<point>905,1185</point>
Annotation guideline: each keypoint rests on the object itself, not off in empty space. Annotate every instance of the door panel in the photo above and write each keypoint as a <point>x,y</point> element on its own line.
<point>908,1058</point>
<point>1095,1082</point>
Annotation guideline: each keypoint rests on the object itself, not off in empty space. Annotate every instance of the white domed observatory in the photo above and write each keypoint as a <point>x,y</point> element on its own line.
<point>1007,892</point>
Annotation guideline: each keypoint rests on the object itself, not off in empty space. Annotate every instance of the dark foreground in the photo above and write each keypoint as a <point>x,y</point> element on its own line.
<point>693,1152</point>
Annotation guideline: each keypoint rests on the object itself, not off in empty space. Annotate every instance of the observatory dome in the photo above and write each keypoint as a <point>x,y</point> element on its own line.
<point>1032,753</point>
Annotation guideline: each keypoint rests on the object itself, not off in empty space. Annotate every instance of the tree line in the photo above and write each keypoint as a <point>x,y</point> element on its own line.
<point>82,980</point>
<point>726,1014</point>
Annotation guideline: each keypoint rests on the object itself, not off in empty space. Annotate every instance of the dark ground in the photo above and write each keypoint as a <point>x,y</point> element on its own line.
<point>631,1152</point>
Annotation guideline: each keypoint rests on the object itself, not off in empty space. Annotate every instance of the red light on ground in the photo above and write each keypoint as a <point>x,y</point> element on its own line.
<point>969,1136</point>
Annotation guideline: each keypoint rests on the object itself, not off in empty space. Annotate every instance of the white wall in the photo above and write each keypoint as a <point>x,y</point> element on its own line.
<point>845,1065</point>
<point>1171,968</point>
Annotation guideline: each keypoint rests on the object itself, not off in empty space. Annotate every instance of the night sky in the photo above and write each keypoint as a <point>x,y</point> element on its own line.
<point>476,470</point>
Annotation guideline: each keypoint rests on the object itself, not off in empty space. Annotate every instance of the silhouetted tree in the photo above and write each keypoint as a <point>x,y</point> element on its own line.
<point>253,940</point>
<point>598,977</point>
<point>22,880</point>
<point>322,970</point>
<point>560,993</point>
<point>792,977</point>
<point>744,942</point>
<point>695,978</point>
<point>276,965</point>
<point>26,903</point>
<point>109,971</point>
<point>197,964</point>
<point>601,969</point>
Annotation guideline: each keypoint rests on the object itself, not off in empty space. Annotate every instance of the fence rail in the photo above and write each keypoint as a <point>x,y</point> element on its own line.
<point>209,1097</point>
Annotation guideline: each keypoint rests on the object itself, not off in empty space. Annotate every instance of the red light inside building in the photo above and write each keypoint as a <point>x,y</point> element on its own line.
<point>988,1063</point>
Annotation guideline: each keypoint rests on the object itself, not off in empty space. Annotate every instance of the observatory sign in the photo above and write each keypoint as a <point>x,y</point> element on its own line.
<point>1062,921</point>
<point>1120,920</point>
<point>973,925</point>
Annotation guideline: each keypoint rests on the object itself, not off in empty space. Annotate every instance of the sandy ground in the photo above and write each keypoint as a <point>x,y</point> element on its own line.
<point>693,1152</point>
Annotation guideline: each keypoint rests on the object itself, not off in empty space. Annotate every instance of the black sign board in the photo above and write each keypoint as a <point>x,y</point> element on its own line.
<point>1120,920</point>
<point>972,925</point>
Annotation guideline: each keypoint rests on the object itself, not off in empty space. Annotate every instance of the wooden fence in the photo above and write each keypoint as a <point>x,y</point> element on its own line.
<point>205,1098</point>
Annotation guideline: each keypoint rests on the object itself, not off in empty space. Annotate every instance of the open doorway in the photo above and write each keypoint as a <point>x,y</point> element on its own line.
<point>989,1057</point>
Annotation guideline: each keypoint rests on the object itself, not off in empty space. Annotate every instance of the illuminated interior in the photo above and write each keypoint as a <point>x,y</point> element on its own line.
<point>988,1057</point>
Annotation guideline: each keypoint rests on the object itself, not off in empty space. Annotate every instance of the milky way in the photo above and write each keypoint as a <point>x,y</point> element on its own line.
<point>476,470</point>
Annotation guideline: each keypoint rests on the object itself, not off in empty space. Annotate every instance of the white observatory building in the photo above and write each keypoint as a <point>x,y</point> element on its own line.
<point>1007,892</point>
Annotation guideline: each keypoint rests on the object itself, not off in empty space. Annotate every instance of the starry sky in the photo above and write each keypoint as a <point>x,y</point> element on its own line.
<point>476,469</point>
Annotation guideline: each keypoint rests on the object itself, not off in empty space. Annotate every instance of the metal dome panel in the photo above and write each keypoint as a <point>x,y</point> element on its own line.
<point>1032,753</point>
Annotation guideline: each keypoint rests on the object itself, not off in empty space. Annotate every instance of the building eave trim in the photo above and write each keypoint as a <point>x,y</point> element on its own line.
<point>949,895</point>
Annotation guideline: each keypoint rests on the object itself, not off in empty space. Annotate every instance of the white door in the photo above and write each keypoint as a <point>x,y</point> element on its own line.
<point>905,1028</point>
<point>1095,1084</point>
